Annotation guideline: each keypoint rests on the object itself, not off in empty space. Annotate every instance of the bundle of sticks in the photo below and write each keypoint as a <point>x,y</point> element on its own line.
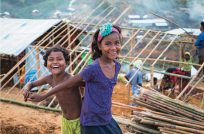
<point>165,115</point>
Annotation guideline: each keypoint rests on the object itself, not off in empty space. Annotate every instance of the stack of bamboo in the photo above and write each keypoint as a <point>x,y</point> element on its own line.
<point>165,115</point>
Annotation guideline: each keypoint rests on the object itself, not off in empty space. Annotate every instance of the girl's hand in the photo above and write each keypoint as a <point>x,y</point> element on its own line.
<point>36,97</point>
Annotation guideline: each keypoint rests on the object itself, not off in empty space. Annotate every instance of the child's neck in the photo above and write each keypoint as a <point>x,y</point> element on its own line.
<point>59,77</point>
<point>105,61</point>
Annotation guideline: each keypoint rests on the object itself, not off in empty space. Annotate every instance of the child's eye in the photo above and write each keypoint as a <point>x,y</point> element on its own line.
<point>108,43</point>
<point>60,59</point>
<point>50,59</point>
<point>117,42</point>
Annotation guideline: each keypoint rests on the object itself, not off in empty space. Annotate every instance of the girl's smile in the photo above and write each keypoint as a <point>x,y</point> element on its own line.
<point>110,46</point>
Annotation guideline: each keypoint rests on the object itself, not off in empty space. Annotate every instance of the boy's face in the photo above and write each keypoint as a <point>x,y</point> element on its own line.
<point>201,28</point>
<point>110,46</point>
<point>56,63</point>
<point>187,57</point>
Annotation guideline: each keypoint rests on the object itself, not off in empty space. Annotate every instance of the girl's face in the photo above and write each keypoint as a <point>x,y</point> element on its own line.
<point>56,62</point>
<point>110,46</point>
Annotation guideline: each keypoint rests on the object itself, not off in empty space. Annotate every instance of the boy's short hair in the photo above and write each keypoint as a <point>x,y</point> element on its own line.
<point>131,65</point>
<point>202,23</point>
<point>56,49</point>
<point>155,78</point>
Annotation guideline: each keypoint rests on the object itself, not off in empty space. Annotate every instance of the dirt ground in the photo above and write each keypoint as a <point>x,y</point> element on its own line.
<point>22,120</point>
<point>17,119</point>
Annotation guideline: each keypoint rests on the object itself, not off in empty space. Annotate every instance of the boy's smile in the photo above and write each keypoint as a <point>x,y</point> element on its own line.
<point>56,63</point>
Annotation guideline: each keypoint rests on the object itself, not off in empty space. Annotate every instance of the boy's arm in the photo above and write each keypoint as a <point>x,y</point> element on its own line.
<point>36,83</point>
<point>26,89</point>
<point>127,76</point>
<point>139,79</point>
<point>197,41</point>
<point>66,85</point>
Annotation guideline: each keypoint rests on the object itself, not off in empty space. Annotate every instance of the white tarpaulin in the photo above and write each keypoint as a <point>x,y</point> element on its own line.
<point>17,34</point>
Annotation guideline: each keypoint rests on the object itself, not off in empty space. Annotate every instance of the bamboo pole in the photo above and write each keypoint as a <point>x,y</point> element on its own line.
<point>28,105</point>
<point>123,13</point>
<point>178,118</point>
<point>160,60</point>
<point>122,60</point>
<point>175,130</point>
<point>56,43</point>
<point>164,51</point>
<point>95,9</point>
<point>186,96</point>
<point>202,101</point>
<point>182,110</point>
<point>62,38</point>
<point>84,20</point>
<point>152,76</point>
<point>79,44</point>
<point>184,90</point>
<point>86,61</point>
<point>32,65</point>
<point>192,112</point>
<point>38,44</point>
<point>173,121</point>
<point>96,25</point>
<point>149,105</point>
<point>140,54</point>
<point>147,46</point>
<point>171,126</point>
<point>137,126</point>
<point>23,59</point>
<point>26,56</point>
<point>85,37</point>
<point>50,104</point>
<point>132,37</point>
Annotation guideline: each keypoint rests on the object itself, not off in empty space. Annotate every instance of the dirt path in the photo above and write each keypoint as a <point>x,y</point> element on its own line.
<point>22,120</point>
<point>17,119</point>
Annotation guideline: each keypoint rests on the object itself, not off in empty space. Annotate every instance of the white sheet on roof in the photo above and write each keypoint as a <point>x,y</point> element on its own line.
<point>181,31</point>
<point>17,34</point>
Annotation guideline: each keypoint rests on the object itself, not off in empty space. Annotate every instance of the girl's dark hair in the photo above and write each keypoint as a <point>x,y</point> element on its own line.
<point>56,49</point>
<point>202,24</point>
<point>96,53</point>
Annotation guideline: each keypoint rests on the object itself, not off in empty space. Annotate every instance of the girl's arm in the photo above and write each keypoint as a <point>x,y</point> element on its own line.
<point>66,85</point>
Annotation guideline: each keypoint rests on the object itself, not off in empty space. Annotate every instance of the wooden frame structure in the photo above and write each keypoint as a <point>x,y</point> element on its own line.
<point>66,33</point>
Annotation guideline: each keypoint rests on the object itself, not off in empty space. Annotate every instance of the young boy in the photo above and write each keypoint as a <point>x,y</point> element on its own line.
<point>56,59</point>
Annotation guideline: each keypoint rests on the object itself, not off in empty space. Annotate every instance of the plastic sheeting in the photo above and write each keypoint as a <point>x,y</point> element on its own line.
<point>17,34</point>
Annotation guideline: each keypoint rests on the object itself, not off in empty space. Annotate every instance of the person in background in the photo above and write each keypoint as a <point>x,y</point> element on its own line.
<point>135,77</point>
<point>56,59</point>
<point>186,60</point>
<point>100,78</point>
<point>199,43</point>
<point>155,81</point>
<point>185,66</point>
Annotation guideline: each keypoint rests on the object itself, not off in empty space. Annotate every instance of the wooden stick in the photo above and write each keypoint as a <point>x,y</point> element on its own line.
<point>28,105</point>
<point>171,126</point>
